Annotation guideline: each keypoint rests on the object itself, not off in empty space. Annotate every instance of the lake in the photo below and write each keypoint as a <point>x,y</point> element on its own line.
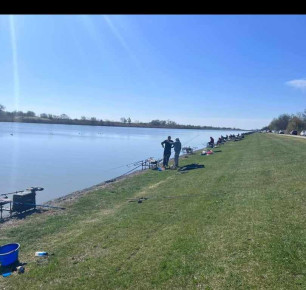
<point>66,158</point>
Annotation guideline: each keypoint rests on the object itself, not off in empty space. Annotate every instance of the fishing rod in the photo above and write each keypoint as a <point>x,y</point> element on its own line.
<point>135,163</point>
<point>34,204</point>
<point>191,139</point>
<point>114,179</point>
<point>18,191</point>
<point>130,171</point>
<point>141,199</point>
<point>5,194</point>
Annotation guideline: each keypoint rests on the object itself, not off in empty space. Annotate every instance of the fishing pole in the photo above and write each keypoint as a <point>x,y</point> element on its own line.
<point>114,179</point>
<point>32,189</point>
<point>41,205</point>
<point>191,139</point>
<point>140,199</point>
<point>130,170</point>
<point>11,192</point>
<point>126,165</point>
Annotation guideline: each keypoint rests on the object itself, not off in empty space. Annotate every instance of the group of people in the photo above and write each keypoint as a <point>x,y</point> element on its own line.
<point>222,139</point>
<point>167,145</point>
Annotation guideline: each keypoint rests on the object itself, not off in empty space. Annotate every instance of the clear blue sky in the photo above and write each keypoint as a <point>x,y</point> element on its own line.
<point>220,70</point>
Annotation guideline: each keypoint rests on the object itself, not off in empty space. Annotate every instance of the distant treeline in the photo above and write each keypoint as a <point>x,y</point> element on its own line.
<point>31,117</point>
<point>288,122</point>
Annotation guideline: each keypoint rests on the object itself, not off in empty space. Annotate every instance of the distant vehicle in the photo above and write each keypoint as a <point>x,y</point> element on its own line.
<point>293,132</point>
<point>281,132</point>
<point>303,133</point>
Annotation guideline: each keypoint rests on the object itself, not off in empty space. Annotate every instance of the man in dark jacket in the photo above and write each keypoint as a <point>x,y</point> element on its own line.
<point>167,145</point>
<point>211,142</point>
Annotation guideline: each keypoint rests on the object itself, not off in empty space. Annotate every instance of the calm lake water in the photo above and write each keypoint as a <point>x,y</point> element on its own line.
<point>66,158</point>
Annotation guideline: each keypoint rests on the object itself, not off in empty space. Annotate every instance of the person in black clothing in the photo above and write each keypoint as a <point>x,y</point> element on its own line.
<point>167,145</point>
<point>211,142</point>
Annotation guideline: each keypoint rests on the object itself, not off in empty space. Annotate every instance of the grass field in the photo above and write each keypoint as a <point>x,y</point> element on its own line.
<point>238,223</point>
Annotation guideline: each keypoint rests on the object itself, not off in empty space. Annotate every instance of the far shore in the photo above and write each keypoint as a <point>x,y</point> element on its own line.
<point>113,124</point>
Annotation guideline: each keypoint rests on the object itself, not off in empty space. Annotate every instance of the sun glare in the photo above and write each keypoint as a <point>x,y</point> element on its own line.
<point>15,62</point>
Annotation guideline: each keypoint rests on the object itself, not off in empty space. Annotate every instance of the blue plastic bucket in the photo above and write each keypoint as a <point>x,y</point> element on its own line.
<point>9,254</point>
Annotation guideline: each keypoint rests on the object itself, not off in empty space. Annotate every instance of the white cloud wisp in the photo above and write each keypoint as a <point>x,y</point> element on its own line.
<point>298,84</point>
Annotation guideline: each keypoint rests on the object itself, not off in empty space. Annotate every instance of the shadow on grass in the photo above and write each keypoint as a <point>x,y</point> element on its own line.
<point>190,167</point>
<point>21,215</point>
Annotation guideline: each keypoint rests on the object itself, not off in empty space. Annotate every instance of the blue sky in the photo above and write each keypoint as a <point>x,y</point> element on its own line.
<point>220,70</point>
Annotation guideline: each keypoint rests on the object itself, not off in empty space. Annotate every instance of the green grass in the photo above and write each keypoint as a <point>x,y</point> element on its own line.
<point>238,223</point>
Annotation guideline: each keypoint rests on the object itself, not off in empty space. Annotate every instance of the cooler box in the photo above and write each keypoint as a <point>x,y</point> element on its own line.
<point>24,201</point>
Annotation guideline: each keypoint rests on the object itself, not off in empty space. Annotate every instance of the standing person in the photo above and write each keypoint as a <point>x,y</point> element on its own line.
<point>167,145</point>
<point>177,149</point>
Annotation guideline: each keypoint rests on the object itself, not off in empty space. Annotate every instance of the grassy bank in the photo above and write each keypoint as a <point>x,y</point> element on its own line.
<point>237,223</point>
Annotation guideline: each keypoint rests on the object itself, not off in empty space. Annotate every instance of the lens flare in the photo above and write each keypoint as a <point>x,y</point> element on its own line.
<point>15,141</point>
<point>15,62</point>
